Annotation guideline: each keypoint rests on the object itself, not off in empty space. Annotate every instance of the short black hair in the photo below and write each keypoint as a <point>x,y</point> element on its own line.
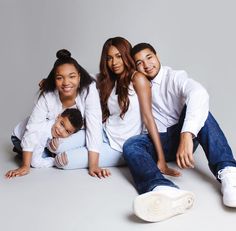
<point>75,117</point>
<point>141,46</point>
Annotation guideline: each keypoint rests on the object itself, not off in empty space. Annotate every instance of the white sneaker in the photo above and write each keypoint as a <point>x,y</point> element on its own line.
<point>227,176</point>
<point>163,203</point>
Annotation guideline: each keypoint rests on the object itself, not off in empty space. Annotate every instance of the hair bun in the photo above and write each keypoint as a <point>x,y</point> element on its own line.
<point>63,53</point>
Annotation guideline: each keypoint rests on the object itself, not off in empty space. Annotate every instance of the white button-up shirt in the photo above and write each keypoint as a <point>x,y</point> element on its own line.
<point>117,129</point>
<point>171,90</point>
<point>49,107</point>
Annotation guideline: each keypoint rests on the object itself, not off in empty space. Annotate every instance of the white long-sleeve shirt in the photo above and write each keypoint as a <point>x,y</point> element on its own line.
<point>44,135</point>
<point>171,90</point>
<point>49,107</point>
<point>118,130</point>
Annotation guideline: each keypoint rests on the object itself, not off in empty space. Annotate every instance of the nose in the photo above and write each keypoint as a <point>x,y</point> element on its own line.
<point>145,64</point>
<point>114,61</point>
<point>65,81</point>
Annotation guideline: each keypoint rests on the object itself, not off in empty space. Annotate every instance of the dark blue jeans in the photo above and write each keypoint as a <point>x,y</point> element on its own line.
<point>140,154</point>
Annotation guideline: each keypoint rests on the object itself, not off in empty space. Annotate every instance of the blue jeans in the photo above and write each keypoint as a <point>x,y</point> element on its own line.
<point>140,154</point>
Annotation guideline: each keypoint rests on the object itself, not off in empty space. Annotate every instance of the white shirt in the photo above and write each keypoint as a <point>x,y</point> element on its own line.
<point>118,130</point>
<point>49,107</point>
<point>44,135</point>
<point>171,90</point>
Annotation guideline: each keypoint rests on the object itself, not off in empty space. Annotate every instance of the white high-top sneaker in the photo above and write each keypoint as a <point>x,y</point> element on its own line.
<point>163,203</point>
<point>227,176</point>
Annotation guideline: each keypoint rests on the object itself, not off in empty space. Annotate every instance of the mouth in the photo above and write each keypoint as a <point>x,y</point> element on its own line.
<point>67,89</point>
<point>116,69</point>
<point>149,70</point>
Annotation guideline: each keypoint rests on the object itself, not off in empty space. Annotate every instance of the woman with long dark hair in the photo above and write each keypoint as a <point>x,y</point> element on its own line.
<point>125,96</point>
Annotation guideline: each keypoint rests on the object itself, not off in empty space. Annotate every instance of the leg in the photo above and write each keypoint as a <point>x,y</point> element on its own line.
<point>215,146</point>
<point>78,157</point>
<point>17,147</point>
<point>140,156</point>
<point>74,141</point>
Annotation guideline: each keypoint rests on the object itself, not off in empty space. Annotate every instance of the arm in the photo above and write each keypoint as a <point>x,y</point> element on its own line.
<point>29,140</point>
<point>197,102</point>
<point>143,90</point>
<point>23,169</point>
<point>93,118</point>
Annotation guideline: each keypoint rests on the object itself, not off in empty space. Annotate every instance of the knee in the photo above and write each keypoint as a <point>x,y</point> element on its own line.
<point>129,146</point>
<point>61,160</point>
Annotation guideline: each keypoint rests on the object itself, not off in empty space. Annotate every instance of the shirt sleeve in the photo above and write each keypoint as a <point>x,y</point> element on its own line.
<point>38,161</point>
<point>93,119</point>
<point>197,102</point>
<point>36,119</point>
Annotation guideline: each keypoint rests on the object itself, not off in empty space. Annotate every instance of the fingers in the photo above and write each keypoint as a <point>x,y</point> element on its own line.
<point>17,172</point>
<point>185,161</point>
<point>100,173</point>
<point>53,144</point>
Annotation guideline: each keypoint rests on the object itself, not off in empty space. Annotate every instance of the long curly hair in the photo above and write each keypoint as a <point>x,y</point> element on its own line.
<point>107,79</point>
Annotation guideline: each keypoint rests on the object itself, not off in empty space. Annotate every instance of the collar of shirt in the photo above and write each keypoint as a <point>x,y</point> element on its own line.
<point>158,77</point>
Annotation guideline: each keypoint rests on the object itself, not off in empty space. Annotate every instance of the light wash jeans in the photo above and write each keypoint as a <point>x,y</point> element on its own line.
<point>140,154</point>
<point>77,154</point>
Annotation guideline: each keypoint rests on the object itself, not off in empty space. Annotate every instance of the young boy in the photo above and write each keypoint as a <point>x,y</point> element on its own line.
<point>67,123</point>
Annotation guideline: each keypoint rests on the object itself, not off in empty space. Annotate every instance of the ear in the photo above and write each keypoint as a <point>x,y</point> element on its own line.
<point>58,116</point>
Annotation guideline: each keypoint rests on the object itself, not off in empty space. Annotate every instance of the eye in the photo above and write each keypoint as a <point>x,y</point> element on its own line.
<point>149,57</point>
<point>72,76</point>
<point>58,77</point>
<point>109,58</point>
<point>68,132</point>
<point>138,63</point>
<point>119,56</point>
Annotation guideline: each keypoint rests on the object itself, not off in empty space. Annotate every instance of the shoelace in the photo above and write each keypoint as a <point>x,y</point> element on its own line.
<point>230,174</point>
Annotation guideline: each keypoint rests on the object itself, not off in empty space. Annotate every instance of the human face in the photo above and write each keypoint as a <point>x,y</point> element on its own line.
<point>62,128</point>
<point>67,80</point>
<point>114,61</point>
<point>147,63</point>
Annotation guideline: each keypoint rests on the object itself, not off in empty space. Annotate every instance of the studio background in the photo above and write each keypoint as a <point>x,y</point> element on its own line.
<point>197,36</point>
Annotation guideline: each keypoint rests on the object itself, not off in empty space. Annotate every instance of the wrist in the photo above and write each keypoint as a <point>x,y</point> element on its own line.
<point>187,135</point>
<point>25,166</point>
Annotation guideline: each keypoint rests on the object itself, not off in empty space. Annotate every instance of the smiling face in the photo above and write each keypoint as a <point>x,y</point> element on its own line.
<point>62,128</point>
<point>67,80</point>
<point>147,63</point>
<point>114,61</point>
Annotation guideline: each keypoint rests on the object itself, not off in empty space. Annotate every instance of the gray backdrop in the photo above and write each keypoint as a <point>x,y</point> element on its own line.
<point>198,36</point>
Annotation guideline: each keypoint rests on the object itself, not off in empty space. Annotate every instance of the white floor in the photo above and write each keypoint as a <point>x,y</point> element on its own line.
<point>52,199</point>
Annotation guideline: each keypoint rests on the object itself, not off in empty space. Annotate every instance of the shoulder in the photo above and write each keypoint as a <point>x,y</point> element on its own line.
<point>174,76</point>
<point>139,79</point>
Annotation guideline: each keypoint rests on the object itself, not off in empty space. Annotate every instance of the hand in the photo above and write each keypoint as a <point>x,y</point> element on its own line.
<point>166,170</point>
<point>184,155</point>
<point>53,145</point>
<point>23,170</point>
<point>99,172</point>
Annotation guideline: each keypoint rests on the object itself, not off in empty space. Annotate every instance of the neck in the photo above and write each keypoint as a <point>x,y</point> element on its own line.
<point>67,101</point>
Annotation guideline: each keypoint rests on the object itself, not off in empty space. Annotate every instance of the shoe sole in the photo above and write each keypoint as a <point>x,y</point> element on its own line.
<point>156,206</point>
<point>229,203</point>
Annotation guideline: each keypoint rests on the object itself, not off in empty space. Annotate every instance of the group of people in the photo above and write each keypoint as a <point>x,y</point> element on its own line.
<point>135,112</point>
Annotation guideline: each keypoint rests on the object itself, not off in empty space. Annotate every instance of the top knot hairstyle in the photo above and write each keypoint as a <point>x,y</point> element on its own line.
<point>63,54</point>
<point>64,57</point>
